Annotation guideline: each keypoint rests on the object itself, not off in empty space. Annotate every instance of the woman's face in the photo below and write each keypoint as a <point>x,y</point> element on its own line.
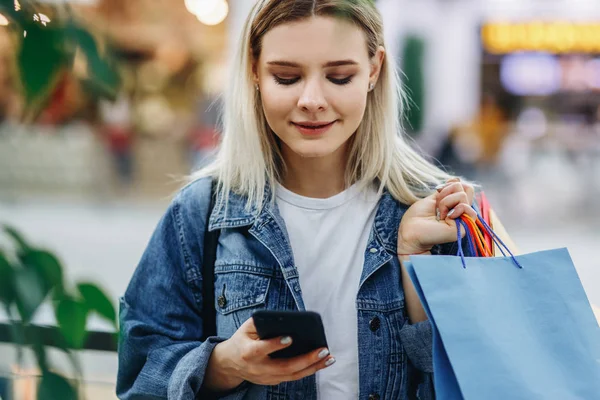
<point>314,77</point>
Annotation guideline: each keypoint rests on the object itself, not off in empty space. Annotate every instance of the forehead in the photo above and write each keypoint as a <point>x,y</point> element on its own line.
<point>315,39</point>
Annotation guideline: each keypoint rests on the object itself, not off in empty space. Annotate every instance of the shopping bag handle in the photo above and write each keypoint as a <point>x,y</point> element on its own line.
<point>481,246</point>
<point>501,245</point>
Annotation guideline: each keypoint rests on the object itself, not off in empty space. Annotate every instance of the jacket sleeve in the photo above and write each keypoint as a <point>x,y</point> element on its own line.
<point>417,340</point>
<point>160,352</point>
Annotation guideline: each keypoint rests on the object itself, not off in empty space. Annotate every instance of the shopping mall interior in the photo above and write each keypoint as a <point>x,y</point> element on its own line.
<point>505,93</point>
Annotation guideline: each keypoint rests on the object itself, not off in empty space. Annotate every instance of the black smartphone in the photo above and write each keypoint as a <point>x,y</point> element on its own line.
<point>304,327</point>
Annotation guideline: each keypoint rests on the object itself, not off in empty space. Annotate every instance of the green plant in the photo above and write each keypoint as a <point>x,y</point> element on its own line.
<point>413,53</point>
<point>49,38</point>
<point>30,276</point>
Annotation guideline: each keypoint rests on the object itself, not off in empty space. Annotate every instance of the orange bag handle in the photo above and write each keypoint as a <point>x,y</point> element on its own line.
<point>477,235</point>
<point>485,207</point>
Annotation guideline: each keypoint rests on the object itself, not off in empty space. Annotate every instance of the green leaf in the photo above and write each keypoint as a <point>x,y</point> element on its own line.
<point>16,237</point>
<point>40,354</point>
<point>8,9</point>
<point>71,315</point>
<point>104,79</point>
<point>53,386</point>
<point>30,292</point>
<point>7,291</point>
<point>46,265</point>
<point>96,300</point>
<point>41,59</point>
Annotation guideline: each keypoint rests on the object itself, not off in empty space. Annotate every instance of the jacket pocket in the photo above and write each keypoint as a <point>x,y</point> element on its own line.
<point>239,291</point>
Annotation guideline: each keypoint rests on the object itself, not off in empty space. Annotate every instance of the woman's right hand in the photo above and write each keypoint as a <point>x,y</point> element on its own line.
<point>245,357</point>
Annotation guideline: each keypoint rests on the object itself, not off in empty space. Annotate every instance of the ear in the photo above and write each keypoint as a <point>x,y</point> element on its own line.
<point>254,73</point>
<point>376,64</point>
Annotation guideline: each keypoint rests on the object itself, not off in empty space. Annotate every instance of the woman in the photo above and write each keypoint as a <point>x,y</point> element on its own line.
<point>319,202</point>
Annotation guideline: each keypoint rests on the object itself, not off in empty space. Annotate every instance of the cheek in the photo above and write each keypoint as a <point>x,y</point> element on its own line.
<point>276,114</point>
<point>351,104</point>
<point>277,103</point>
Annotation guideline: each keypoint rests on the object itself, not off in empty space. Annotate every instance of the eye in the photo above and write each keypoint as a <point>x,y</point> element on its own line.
<point>342,81</point>
<point>284,81</point>
<point>291,81</point>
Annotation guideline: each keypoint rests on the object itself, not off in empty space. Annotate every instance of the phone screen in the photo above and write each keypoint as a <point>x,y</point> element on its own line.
<point>304,327</point>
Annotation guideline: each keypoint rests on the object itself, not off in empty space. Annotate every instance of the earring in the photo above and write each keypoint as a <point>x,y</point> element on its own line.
<point>371,86</point>
<point>256,87</point>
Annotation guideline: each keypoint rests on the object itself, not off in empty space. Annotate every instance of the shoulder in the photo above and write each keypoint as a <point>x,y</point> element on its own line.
<point>190,204</point>
<point>195,194</point>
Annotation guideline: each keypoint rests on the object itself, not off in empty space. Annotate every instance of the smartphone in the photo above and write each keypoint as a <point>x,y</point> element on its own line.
<point>304,327</point>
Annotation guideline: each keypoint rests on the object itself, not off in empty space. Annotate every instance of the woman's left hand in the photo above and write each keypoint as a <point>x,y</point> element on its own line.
<point>420,228</point>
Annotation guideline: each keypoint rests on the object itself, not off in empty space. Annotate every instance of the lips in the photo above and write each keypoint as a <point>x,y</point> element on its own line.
<point>313,129</point>
<point>313,125</point>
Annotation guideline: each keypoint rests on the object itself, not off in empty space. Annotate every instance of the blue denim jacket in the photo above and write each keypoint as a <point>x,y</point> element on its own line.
<point>160,353</point>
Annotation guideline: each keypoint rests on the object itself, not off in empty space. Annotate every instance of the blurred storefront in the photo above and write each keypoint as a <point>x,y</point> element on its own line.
<point>510,91</point>
<point>540,85</point>
<point>170,59</point>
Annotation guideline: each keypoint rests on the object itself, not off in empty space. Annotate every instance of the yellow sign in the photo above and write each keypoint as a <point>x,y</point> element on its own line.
<point>551,37</point>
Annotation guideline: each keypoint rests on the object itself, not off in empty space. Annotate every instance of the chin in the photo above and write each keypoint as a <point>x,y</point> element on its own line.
<point>313,155</point>
<point>313,151</point>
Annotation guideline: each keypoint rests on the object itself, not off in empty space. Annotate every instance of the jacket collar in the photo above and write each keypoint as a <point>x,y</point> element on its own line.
<point>234,214</point>
<point>387,219</point>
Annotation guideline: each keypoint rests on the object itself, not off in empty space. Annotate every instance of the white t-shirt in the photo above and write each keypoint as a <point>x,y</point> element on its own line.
<point>328,239</point>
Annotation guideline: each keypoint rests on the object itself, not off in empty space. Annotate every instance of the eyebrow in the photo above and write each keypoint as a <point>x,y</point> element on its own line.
<point>326,65</point>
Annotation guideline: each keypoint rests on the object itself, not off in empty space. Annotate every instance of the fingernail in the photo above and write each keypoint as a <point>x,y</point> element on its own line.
<point>437,214</point>
<point>286,340</point>
<point>450,213</point>
<point>329,362</point>
<point>323,353</point>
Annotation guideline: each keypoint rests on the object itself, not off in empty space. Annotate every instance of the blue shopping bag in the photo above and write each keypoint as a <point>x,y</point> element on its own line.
<point>513,327</point>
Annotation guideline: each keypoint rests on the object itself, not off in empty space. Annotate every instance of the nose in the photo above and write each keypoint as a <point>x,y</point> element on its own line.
<point>312,99</point>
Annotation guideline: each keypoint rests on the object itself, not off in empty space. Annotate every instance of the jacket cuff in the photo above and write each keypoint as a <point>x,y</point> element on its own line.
<point>188,376</point>
<point>417,340</point>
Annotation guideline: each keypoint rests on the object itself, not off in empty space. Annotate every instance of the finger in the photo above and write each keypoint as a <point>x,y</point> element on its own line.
<point>441,186</point>
<point>454,179</point>
<point>449,189</point>
<point>460,209</point>
<point>248,326</point>
<point>248,330</point>
<point>470,190</point>
<point>289,367</point>
<point>272,372</point>
<point>451,201</point>
<point>467,187</point>
<point>311,370</point>
<point>456,187</point>
<point>260,349</point>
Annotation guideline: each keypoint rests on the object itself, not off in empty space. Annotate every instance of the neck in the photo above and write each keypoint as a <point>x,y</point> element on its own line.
<point>318,177</point>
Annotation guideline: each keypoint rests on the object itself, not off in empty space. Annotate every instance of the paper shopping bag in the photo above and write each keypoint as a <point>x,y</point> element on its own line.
<point>514,327</point>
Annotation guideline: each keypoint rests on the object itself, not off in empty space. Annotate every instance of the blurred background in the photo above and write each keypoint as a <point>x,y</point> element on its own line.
<point>106,105</point>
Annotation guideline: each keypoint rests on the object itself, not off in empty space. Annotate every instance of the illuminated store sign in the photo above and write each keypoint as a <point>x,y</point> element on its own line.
<point>550,37</point>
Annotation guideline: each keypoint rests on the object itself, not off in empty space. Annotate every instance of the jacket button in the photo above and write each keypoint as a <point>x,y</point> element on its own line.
<point>222,301</point>
<point>375,324</point>
<point>373,396</point>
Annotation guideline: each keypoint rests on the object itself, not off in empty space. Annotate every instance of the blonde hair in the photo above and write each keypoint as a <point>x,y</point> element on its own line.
<point>249,156</point>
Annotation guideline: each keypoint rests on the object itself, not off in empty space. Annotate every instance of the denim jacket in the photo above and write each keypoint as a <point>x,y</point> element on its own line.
<point>160,352</point>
